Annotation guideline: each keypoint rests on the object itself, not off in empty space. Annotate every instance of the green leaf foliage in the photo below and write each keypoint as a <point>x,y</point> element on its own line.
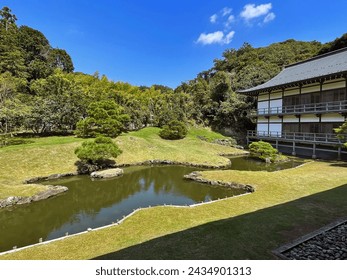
<point>174,130</point>
<point>101,148</point>
<point>342,133</point>
<point>263,150</point>
<point>104,118</point>
<point>40,91</point>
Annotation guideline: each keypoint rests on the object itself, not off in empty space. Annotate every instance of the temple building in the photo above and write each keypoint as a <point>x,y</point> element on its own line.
<point>298,109</point>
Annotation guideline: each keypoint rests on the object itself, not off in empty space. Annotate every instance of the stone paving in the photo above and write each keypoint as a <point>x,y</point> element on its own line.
<point>328,243</point>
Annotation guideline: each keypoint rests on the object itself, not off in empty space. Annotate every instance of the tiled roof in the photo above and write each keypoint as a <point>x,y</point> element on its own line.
<point>327,66</point>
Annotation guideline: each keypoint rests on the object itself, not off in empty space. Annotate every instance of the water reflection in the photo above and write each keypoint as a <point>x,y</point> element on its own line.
<point>96,203</point>
<point>252,164</point>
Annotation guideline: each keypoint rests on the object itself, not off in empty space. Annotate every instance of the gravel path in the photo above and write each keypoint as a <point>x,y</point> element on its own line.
<point>329,245</point>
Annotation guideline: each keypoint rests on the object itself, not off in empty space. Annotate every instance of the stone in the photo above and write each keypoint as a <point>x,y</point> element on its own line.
<point>196,176</point>
<point>51,191</point>
<point>25,200</point>
<point>108,173</point>
<point>324,246</point>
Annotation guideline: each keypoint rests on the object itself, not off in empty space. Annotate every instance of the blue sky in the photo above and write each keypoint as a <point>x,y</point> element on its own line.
<point>147,42</point>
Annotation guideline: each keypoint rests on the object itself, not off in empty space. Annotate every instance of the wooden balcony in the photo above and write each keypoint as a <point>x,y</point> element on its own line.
<point>298,137</point>
<point>314,108</point>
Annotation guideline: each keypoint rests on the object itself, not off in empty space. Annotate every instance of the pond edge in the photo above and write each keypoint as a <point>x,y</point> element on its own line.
<point>19,200</point>
<point>117,223</point>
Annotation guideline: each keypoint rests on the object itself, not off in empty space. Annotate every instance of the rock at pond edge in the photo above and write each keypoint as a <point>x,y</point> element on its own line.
<point>108,173</point>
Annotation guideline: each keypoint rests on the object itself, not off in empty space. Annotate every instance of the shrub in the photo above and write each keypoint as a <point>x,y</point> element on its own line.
<point>96,155</point>
<point>263,150</point>
<point>174,130</point>
<point>6,140</point>
<point>341,133</point>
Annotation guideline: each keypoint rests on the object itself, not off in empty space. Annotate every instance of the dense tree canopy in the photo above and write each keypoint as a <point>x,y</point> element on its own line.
<point>40,92</point>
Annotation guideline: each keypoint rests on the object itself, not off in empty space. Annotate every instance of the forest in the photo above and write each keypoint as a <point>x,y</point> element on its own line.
<point>40,94</point>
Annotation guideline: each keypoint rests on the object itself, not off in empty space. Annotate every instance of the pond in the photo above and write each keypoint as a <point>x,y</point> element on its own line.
<point>91,204</point>
<point>94,203</point>
<point>251,164</point>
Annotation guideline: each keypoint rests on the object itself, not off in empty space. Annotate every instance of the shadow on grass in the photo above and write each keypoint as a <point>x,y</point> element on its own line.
<point>340,164</point>
<point>250,236</point>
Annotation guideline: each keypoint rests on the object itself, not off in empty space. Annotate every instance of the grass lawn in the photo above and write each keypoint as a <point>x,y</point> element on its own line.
<point>146,144</point>
<point>50,155</point>
<point>285,205</point>
<point>45,156</point>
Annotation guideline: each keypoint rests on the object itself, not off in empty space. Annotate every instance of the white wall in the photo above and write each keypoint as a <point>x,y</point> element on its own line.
<point>275,119</point>
<point>275,95</point>
<point>338,84</point>
<point>291,91</point>
<point>309,118</point>
<point>332,118</point>
<point>263,97</point>
<point>290,119</point>
<point>311,88</point>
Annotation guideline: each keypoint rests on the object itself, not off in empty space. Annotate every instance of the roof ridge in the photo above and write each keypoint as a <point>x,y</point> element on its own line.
<point>316,57</point>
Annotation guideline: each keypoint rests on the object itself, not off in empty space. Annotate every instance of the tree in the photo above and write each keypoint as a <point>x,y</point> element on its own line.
<point>36,49</point>
<point>337,44</point>
<point>11,55</point>
<point>58,103</point>
<point>12,110</point>
<point>58,58</point>
<point>7,18</point>
<point>341,133</point>
<point>95,155</point>
<point>104,118</point>
<point>220,86</point>
<point>174,130</point>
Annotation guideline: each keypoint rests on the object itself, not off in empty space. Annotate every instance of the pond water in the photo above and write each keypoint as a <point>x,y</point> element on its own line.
<point>94,203</point>
<point>97,203</point>
<point>252,164</point>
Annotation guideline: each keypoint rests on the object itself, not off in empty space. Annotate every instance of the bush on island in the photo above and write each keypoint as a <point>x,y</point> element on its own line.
<point>174,130</point>
<point>264,151</point>
<point>96,155</point>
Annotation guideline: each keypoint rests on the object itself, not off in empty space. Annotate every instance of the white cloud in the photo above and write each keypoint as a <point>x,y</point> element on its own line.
<point>213,18</point>
<point>211,38</point>
<point>226,11</point>
<point>269,17</point>
<point>230,20</point>
<point>251,11</point>
<point>229,37</point>
<point>217,37</point>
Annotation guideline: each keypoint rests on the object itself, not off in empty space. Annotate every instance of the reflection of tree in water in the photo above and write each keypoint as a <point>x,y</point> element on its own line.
<point>168,179</point>
<point>252,164</point>
<point>84,198</point>
<point>25,224</point>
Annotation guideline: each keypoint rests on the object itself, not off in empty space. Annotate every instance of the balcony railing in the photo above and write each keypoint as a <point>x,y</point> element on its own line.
<point>314,108</point>
<point>322,138</point>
